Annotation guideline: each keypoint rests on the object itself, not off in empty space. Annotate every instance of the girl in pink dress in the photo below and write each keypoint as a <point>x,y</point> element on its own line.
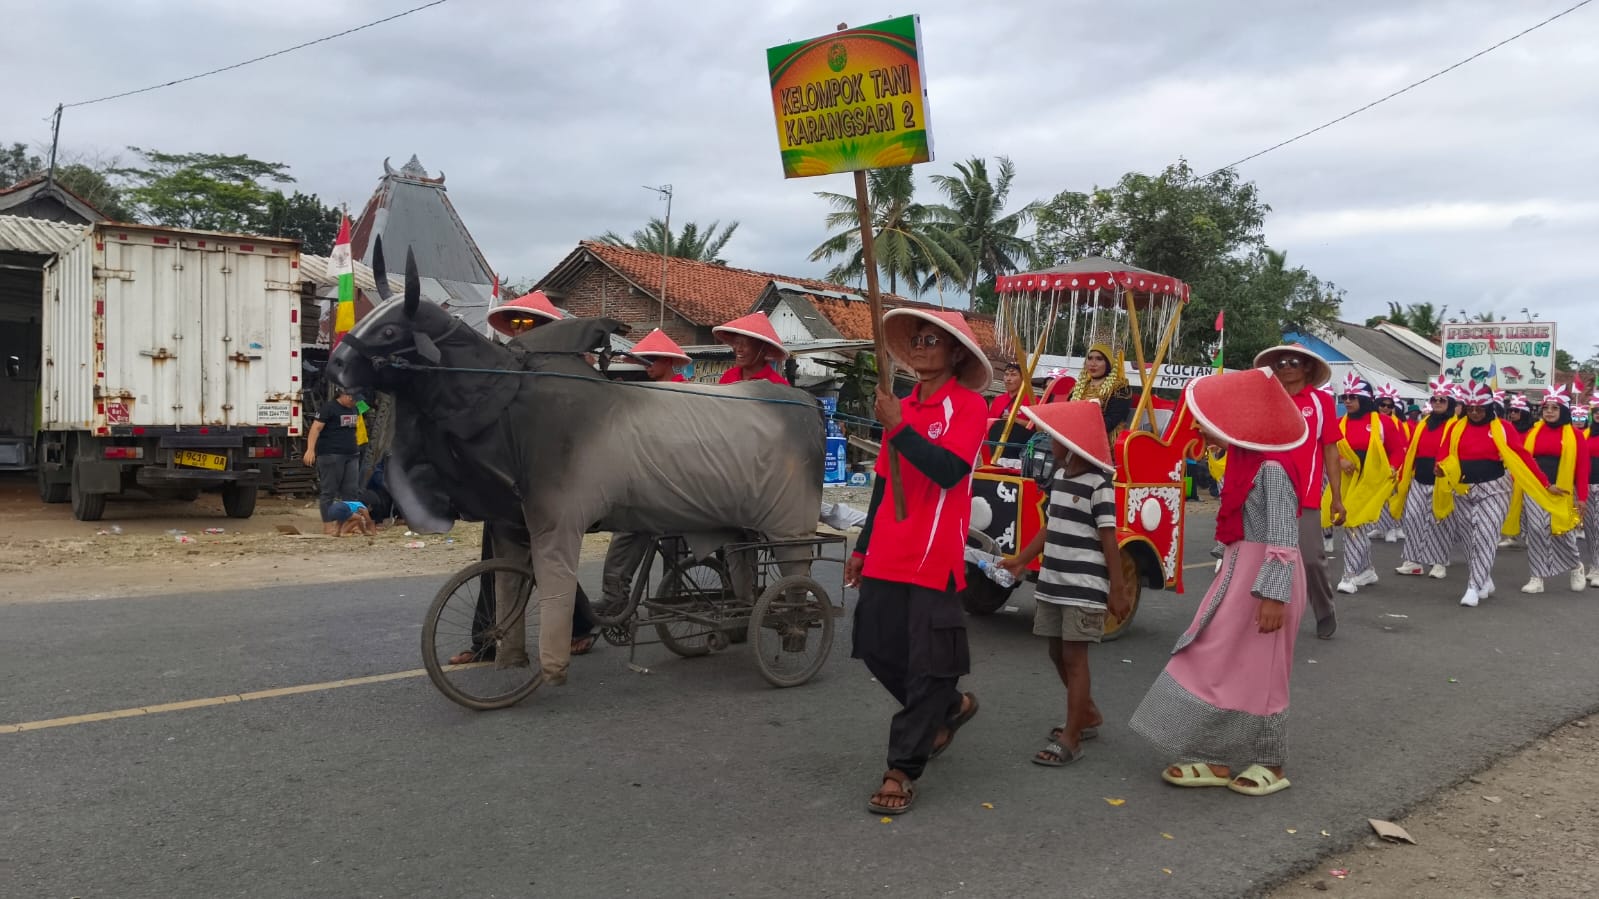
<point>1220,707</point>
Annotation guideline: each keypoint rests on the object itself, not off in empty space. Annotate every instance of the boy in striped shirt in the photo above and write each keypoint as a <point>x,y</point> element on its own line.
<point>1076,583</point>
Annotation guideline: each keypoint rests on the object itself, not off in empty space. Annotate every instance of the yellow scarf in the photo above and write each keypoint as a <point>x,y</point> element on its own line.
<point>1565,475</point>
<point>1407,475</point>
<point>1563,514</point>
<point>1369,486</point>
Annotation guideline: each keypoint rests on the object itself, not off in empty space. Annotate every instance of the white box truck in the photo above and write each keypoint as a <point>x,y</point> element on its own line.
<point>170,363</point>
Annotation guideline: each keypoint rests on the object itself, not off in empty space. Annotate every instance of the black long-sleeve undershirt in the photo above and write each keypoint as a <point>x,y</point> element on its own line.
<point>941,466</point>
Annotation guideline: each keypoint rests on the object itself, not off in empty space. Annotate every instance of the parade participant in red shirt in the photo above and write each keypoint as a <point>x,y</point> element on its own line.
<point>1590,509</point>
<point>1302,373</point>
<point>756,350</point>
<point>661,357</point>
<point>1388,400</point>
<point>1371,477</point>
<point>1429,543</point>
<point>1000,406</point>
<point>909,627</point>
<point>1558,447</point>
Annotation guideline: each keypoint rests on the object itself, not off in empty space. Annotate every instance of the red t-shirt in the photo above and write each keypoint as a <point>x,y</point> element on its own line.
<point>1317,407</point>
<point>676,379</point>
<point>999,407</point>
<point>1358,433</point>
<point>766,373</point>
<point>929,546</point>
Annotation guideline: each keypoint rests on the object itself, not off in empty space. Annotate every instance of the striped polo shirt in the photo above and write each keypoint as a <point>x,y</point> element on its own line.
<point>1073,571</point>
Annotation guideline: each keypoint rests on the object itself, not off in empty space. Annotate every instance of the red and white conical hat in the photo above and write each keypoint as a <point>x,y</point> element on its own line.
<point>656,345</point>
<point>755,325</point>
<point>534,305</point>
<point>1079,425</point>
<point>899,326</point>
<point>1248,409</point>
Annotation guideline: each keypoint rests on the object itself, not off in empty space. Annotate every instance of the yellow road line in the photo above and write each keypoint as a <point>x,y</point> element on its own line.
<point>70,720</point>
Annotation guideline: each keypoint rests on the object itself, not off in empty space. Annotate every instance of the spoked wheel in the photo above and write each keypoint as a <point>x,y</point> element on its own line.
<point>694,588</point>
<point>483,610</point>
<point>791,630</point>
<point>1133,587</point>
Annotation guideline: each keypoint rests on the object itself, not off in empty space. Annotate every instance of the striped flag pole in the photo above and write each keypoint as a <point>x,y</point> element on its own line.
<point>342,265</point>
<point>1221,341</point>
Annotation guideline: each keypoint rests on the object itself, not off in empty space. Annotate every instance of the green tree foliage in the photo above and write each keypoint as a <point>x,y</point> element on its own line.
<point>304,217</point>
<point>82,175</point>
<point>1425,319</point>
<point>207,191</point>
<point>17,164</point>
<point>911,248</point>
<point>1206,231</point>
<point>974,219</point>
<point>702,245</point>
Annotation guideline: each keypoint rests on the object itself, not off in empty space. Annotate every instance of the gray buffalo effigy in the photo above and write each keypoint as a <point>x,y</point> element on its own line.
<point>529,433</point>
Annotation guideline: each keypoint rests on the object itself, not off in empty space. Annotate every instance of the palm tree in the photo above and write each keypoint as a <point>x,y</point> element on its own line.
<point>975,219</point>
<point>907,249</point>
<point>703,246</point>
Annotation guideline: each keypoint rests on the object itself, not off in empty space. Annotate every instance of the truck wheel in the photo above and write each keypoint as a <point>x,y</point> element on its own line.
<point>52,492</point>
<point>238,500</point>
<point>85,506</point>
<point>982,596</point>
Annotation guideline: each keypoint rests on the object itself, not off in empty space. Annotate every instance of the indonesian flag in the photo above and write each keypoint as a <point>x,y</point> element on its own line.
<point>342,265</point>
<point>1221,320</point>
<point>1221,328</point>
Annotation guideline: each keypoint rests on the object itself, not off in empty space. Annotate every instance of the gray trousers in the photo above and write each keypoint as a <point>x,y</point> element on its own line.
<point>336,478</point>
<point>622,559</point>
<point>1318,590</point>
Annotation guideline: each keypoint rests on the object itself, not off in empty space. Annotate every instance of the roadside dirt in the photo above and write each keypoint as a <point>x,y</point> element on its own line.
<point>1528,826</point>
<point>46,555</point>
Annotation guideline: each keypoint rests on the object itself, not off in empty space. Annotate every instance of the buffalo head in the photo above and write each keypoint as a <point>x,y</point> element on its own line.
<point>396,332</point>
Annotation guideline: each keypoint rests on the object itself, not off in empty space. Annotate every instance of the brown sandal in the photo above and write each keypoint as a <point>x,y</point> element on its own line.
<point>949,729</point>
<point>906,792</point>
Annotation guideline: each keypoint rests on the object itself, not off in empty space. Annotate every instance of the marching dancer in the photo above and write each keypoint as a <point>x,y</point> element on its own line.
<point>1557,447</point>
<point>1428,541</point>
<point>1373,448</point>
<point>1476,475</point>
<point>1387,406</point>
<point>1590,509</point>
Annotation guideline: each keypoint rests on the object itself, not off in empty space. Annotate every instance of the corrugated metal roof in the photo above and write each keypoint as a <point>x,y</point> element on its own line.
<point>315,270</point>
<point>45,238</point>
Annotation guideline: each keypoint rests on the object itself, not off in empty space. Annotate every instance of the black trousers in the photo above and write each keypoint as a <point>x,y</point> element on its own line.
<point>913,640</point>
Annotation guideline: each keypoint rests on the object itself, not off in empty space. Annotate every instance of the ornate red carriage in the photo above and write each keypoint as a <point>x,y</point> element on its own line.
<point>1087,302</point>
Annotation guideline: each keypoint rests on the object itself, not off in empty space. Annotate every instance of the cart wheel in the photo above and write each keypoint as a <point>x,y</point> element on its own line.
<point>1133,586</point>
<point>617,635</point>
<point>982,596</point>
<point>791,630</point>
<point>696,588</point>
<point>505,673</point>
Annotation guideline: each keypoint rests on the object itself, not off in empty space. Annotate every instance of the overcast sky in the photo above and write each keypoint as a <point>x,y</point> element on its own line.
<point>1477,190</point>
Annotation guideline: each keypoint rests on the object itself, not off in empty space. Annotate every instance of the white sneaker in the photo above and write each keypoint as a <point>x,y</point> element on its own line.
<point>1470,599</point>
<point>1365,578</point>
<point>1327,545</point>
<point>1391,537</point>
<point>1487,590</point>
<point>1347,586</point>
<point>1507,542</point>
<point>1410,568</point>
<point>1533,585</point>
<point>1579,579</point>
<point>1593,577</point>
<point>1438,572</point>
<point>1401,533</point>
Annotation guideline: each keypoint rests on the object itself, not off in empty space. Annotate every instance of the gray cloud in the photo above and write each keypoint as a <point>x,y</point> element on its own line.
<point>1476,190</point>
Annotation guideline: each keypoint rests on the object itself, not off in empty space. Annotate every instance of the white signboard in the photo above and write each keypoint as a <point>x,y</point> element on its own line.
<point>1509,355</point>
<point>272,414</point>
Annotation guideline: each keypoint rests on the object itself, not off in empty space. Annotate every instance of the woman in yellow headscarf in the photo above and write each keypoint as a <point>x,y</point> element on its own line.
<point>1104,380</point>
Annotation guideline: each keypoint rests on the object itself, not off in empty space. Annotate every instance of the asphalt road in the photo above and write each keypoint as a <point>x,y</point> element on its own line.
<point>698,779</point>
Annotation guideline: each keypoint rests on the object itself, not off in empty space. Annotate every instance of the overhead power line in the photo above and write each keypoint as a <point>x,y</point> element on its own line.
<point>1444,71</point>
<point>240,65</point>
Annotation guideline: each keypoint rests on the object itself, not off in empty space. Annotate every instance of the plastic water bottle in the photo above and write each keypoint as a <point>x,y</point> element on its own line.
<point>996,573</point>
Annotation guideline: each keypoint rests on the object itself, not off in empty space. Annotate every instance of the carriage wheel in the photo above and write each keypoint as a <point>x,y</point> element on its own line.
<point>698,588</point>
<point>791,630</point>
<point>455,623</point>
<point>1133,587</point>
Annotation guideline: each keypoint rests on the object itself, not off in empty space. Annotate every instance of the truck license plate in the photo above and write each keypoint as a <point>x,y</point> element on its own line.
<point>202,460</point>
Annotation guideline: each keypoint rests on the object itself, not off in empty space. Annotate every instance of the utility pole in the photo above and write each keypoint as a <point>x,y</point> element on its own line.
<point>665,191</point>
<point>55,141</point>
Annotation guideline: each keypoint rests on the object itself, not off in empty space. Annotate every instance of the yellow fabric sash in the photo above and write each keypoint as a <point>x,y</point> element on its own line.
<point>1407,475</point>
<point>1216,464</point>
<point>1564,515</point>
<point>1368,487</point>
<point>1565,475</point>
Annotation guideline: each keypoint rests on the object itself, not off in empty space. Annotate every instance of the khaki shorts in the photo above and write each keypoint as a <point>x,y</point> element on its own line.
<point>1073,624</point>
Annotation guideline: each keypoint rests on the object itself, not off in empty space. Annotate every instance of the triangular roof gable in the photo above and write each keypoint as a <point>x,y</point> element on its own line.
<point>30,189</point>
<point>411,210</point>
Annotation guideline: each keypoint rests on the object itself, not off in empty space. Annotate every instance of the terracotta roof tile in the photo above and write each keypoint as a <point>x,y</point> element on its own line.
<point>709,295</point>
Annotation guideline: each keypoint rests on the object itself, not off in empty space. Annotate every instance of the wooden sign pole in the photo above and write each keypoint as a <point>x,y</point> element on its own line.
<point>885,363</point>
